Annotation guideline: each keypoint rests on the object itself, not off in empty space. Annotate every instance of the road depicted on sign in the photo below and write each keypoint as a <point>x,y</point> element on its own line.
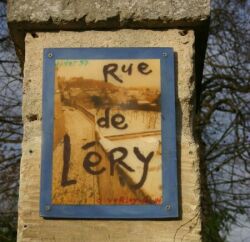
<point>86,189</point>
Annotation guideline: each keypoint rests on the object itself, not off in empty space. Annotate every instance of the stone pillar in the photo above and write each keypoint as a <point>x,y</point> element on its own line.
<point>179,24</point>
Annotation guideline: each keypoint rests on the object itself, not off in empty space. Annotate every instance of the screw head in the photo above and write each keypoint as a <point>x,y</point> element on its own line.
<point>47,208</point>
<point>168,207</point>
<point>165,54</point>
<point>50,55</point>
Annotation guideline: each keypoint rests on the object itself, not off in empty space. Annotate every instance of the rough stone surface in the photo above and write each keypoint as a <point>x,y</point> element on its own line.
<point>31,227</point>
<point>92,12</point>
<point>53,15</point>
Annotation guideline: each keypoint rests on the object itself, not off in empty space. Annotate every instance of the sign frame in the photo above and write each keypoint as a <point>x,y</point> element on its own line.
<point>170,205</point>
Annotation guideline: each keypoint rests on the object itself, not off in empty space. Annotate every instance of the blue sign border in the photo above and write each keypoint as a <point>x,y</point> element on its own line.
<point>169,208</point>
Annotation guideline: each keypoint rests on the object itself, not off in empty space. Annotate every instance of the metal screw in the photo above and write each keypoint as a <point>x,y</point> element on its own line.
<point>50,55</point>
<point>168,206</point>
<point>164,54</point>
<point>47,208</point>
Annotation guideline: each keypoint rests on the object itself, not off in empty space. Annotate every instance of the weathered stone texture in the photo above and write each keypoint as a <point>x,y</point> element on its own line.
<point>31,226</point>
<point>77,15</point>
<point>92,12</point>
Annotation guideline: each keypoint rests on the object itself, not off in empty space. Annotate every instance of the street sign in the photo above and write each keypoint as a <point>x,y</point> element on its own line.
<point>109,142</point>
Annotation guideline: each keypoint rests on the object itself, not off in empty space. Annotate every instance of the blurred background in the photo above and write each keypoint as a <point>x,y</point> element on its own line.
<point>223,124</point>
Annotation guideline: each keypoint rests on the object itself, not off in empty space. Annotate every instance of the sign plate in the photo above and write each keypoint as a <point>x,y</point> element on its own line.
<point>109,143</point>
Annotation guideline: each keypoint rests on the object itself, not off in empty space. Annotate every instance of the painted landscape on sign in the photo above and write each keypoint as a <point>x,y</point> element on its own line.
<point>107,132</point>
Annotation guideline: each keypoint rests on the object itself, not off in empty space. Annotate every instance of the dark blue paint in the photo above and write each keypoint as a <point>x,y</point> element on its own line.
<point>169,158</point>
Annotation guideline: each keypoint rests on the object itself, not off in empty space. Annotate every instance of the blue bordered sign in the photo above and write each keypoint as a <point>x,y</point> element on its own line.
<point>109,135</point>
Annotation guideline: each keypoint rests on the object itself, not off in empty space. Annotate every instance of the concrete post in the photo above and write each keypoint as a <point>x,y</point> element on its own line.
<point>179,24</point>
